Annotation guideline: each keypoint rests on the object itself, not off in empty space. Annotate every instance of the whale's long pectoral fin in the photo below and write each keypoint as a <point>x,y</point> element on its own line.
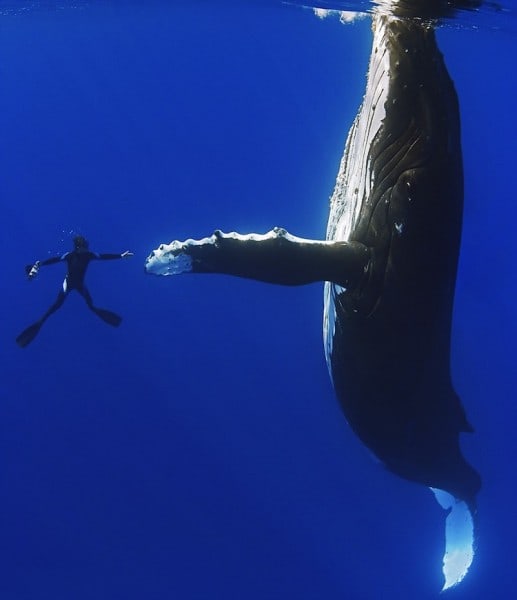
<point>275,257</point>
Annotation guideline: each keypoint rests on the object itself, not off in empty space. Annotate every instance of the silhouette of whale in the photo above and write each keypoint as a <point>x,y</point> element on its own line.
<point>389,262</point>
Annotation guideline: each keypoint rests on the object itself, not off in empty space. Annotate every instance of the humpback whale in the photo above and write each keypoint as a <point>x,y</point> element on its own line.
<point>389,265</point>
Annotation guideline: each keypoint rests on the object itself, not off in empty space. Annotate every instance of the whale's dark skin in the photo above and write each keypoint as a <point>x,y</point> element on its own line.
<point>390,349</point>
<point>390,261</point>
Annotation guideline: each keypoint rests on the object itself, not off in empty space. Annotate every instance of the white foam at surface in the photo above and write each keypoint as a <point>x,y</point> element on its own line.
<point>459,538</point>
<point>345,16</point>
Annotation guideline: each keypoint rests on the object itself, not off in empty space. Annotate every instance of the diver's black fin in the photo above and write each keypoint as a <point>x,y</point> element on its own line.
<point>27,335</point>
<point>109,317</point>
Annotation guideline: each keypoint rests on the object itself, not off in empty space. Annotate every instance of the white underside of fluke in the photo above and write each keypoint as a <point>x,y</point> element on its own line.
<point>459,538</point>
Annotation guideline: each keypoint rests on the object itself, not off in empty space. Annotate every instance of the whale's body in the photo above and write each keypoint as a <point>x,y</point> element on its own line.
<point>389,263</point>
<point>399,192</point>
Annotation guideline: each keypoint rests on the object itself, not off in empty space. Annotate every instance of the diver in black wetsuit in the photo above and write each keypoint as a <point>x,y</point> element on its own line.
<point>77,263</point>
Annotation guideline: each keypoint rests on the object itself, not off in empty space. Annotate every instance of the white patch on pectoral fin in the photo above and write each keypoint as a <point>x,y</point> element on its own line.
<point>459,538</point>
<point>168,259</point>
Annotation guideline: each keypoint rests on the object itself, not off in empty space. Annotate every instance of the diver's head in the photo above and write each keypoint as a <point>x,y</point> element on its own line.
<point>80,243</point>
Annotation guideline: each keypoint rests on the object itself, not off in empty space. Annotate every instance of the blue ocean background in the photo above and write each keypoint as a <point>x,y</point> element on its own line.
<point>198,452</point>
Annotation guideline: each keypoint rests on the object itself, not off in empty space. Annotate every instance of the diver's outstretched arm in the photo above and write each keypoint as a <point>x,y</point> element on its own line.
<point>275,257</point>
<point>32,270</point>
<point>51,261</point>
<point>108,256</point>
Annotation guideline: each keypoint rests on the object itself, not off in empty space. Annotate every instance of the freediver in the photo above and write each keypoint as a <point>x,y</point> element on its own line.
<point>77,264</point>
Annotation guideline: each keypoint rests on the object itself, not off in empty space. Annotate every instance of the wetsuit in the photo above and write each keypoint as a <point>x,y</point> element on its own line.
<point>77,263</point>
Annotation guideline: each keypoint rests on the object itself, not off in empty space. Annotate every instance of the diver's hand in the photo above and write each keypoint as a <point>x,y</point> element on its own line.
<point>126,254</point>
<point>33,270</point>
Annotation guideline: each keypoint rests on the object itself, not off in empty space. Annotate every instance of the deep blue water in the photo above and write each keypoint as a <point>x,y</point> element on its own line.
<point>198,451</point>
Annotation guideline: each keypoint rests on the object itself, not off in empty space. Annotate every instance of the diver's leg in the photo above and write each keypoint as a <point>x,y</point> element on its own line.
<point>106,315</point>
<point>276,257</point>
<point>57,304</point>
<point>83,290</point>
<point>27,335</point>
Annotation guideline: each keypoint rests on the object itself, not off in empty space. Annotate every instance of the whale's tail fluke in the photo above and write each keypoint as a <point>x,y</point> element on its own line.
<point>459,538</point>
